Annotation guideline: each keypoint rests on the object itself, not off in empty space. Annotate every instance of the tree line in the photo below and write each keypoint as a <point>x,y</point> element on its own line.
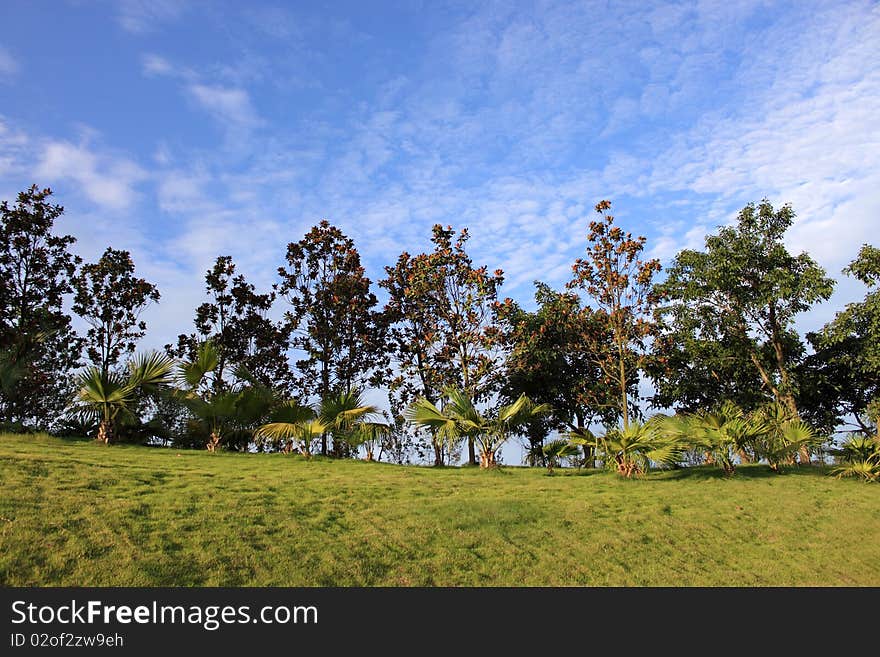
<point>464,369</point>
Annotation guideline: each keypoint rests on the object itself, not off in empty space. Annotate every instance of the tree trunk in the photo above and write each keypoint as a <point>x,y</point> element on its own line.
<point>744,456</point>
<point>487,460</point>
<point>213,441</point>
<point>804,455</point>
<point>105,432</point>
<point>438,455</point>
<point>369,454</point>
<point>472,456</point>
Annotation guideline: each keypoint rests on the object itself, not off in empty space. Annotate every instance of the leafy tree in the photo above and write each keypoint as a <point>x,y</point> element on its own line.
<point>858,456</point>
<point>783,437</point>
<point>747,289</point>
<point>845,369</point>
<point>36,269</point>
<point>442,315</point>
<point>726,434</point>
<point>346,414</point>
<point>221,415</point>
<point>618,282</point>
<point>631,449</point>
<point>552,359</point>
<point>111,300</point>
<point>460,417</point>
<point>331,313</point>
<point>108,396</point>
<point>237,323</point>
<point>556,450</point>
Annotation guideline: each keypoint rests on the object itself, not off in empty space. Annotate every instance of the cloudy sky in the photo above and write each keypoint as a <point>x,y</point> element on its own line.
<point>182,130</point>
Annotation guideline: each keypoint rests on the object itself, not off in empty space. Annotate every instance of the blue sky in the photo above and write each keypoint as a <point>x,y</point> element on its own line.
<point>182,130</point>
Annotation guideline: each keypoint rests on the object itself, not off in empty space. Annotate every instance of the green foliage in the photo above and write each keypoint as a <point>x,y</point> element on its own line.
<point>331,316</point>
<point>556,450</point>
<point>111,300</point>
<point>858,456</point>
<point>459,418</point>
<point>632,449</point>
<point>40,348</point>
<point>848,347</point>
<point>742,293</point>
<point>551,359</point>
<point>785,436</point>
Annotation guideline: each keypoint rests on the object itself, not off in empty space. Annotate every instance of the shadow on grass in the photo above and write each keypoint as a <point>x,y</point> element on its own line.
<point>750,471</point>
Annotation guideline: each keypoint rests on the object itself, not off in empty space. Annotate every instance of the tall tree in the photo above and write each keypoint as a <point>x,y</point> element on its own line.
<point>747,289</point>
<point>36,269</point>
<point>236,320</point>
<point>552,359</point>
<point>618,282</point>
<point>331,313</point>
<point>111,299</point>
<point>845,372</point>
<point>443,317</point>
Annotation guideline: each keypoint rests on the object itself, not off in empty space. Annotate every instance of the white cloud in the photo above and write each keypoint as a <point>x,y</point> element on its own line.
<point>156,65</point>
<point>108,181</point>
<point>229,105</point>
<point>141,16</point>
<point>8,64</point>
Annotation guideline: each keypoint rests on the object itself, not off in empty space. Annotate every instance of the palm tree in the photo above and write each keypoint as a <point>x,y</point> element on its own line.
<point>108,396</point>
<point>632,449</point>
<point>556,450</point>
<point>784,438</point>
<point>344,414</point>
<point>859,456</point>
<point>724,434</point>
<point>223,415</point>
<point>460,418</point>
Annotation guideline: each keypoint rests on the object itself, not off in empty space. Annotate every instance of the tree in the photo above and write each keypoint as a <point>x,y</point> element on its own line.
<point>111,300</point>
<point>109,396</point>
<point>619,283</point>
<point>346,414</point>
<point>237,323</point>
<point>747,290</point>
<point>631,449</point>
<point>552,359</point>
<point>36,269</point>
<point>331,315</point>
<point>459,417</point>
<point>847,358</point>
<point>221,415</point>
<point>443,318</point>
<point>556,450</point>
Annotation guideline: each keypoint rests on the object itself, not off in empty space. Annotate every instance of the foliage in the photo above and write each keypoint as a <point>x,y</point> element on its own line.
<point>460,418</point>
<point>36,269</point>
<point>220,415</point>
<point>784,437</point>
<point>631,449</point>
<point>236,322</point>
<point>551,359</point>
<point>858,456</point>
<point>331,316</point>
<point>848,348</point>
<point>442,318</point>
<point>107,397</point>
<point>618,282</point>
<point>556,450</point>
<point>743,292</point>
<point>111,300</point>
<point>725,434</point>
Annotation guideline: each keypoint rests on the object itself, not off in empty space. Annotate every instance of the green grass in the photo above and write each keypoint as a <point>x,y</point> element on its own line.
<point>75,513</point>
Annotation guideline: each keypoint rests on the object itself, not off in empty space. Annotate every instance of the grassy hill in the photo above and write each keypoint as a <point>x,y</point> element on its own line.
<point>76,513</point>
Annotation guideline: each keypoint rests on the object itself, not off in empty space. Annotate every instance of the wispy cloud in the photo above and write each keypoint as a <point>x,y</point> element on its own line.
<point>142,16</point>
<point>9,65</point>
<point>108,181</point>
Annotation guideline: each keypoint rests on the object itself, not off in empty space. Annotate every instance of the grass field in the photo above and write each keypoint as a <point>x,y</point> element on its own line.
<point>79,514</point>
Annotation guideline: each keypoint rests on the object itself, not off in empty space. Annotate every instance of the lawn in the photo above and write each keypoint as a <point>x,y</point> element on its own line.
<point>75,513</point>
